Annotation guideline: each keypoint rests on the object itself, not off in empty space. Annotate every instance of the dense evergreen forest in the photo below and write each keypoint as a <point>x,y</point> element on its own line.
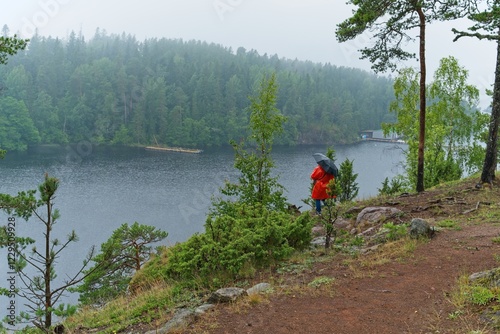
<point>118,90</point>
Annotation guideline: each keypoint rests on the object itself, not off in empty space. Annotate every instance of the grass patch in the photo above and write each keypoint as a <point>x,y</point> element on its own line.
<point>298,263</point>
<point>149,307</point>
<point>321,282</point>
<point>470,299</point>
<point>449,224</point>
<point>398,250</point>
<point>242,305</point>
<point>321,286</point>
<point>467,294</point>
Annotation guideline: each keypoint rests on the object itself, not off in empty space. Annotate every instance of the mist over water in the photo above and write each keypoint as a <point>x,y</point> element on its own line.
<point>103,187</point>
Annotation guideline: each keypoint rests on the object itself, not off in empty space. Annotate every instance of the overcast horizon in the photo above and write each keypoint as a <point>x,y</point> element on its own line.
<point>293,29</point>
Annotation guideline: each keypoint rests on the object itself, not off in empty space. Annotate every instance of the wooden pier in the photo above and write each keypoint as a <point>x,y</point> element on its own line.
<point>173,149</point>
<point>385,140</point>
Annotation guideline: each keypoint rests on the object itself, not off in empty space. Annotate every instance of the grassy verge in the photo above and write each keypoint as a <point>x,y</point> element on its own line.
<point>152,307</point>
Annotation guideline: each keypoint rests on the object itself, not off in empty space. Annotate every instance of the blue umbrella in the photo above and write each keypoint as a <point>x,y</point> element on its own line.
<point>326,163</point>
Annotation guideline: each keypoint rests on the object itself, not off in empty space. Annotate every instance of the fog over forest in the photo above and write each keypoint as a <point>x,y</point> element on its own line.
<point>115,89</point>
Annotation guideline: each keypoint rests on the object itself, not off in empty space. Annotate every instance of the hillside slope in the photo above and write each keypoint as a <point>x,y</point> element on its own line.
<point>402,287</point>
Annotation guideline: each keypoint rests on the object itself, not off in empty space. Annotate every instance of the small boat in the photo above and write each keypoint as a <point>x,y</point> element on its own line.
<point>174,149</point>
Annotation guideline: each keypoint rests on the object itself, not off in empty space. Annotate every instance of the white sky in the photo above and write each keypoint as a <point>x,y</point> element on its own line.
<point>302,29</point>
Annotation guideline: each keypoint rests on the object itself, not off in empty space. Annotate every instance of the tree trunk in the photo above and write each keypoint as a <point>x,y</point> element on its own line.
<point>421,142</point>
<point>48,267</point>
<point>490,159</point>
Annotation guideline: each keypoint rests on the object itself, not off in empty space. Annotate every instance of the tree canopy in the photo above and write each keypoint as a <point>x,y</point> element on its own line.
<point>454,143</point>
<point>120,257</point>
<point>116,89</point>
<point>392,22</point>
<point>8,47</point>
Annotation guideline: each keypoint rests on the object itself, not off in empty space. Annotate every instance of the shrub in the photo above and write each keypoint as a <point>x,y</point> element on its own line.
<point>235,246</point>
<point>394,232</point>
<point>395,186</point>
<point>124,253</point>
<point>347,181</point>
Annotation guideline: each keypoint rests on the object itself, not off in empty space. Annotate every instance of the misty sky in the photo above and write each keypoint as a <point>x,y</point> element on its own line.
<point>289,28</point>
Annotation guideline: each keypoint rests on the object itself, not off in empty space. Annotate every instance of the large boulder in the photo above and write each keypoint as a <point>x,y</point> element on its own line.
<point>375,216</point>
<point>339,224</point>
<point>226,295</point>
<point>489,278</point>
<point>259,288</point>
<point>181,319</point>
<point>420,228</point>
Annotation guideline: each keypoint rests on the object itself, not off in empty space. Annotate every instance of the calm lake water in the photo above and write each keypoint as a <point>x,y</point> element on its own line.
<point>104,187</point>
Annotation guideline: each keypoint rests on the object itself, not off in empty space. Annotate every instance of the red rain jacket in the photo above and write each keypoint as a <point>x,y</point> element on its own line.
<point>322,178</point>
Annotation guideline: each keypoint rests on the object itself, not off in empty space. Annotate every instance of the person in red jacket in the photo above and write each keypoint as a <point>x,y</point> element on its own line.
<point>321,180</point>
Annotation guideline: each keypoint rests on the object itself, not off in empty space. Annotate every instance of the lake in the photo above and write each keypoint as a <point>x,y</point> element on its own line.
<point>104,187</point>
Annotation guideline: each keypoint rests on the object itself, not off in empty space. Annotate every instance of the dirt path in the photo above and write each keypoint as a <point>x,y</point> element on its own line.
<point>410,296</point>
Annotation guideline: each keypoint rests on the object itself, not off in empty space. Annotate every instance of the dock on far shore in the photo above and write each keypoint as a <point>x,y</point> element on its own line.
<point>386,140</point>
<point>378,135</point>
<point>173,149</point>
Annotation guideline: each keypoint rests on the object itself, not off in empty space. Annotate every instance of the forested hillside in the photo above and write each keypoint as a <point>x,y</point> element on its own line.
<point>118,90</point>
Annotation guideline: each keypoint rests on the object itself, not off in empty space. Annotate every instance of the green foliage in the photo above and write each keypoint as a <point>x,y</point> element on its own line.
<point>393,231</point>
<point>124,253</point>
<point>321,281</point>
<point>331,210</point>
<point>357,241</point>
<point>38,291</point>
<point>122,136</point>
<point>46,118</point>
<point>457,127</point>
<point>344,187</point>
<point>120,314</point>
<point>64,310</point>
<point>347,181</point>
<point>294,266</point>
<point>395,186</point>
<point>256,185</point>
<point>21,205</point>
<point>116,89</point>
<point>480,295</point>
<point>454,128</point>
<point>390,23</point>
<point>248,229</point>
<point>17,130</point>
<point>386,46</point>
<point>234,246</point>
<point>10,46</point>
<point>448,223</point>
